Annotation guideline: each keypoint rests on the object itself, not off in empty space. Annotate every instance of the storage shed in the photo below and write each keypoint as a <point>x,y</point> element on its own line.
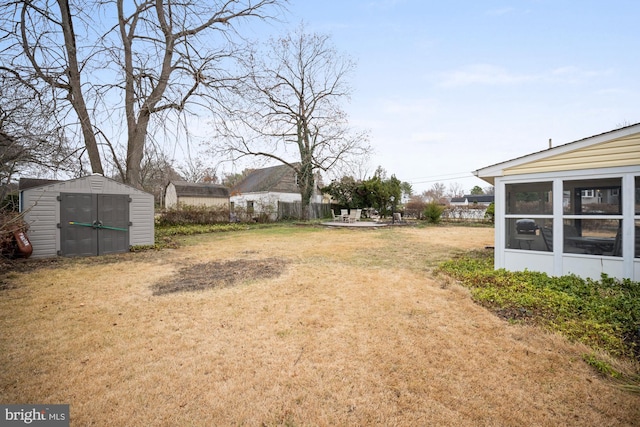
<point>181,193</point>
<point>87,216</point>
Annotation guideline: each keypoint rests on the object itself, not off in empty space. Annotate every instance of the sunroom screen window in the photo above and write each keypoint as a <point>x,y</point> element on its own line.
<point>637,210</point>
<point>637,195</point>
<point>593,216</point>
<point>593,197</point>
<point>533,198</point>
<point>529,216</point>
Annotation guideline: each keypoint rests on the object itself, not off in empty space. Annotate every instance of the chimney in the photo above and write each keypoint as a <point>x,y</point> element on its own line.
<point>550,144</point>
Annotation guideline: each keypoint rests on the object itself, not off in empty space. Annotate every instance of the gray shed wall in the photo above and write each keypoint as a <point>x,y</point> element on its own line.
<point>44,213</point>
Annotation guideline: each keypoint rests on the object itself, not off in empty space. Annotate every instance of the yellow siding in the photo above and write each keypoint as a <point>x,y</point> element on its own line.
<point>204,201</point>
<point>616,153</point>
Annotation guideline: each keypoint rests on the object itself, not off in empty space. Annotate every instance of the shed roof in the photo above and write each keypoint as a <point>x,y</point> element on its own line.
<point>619,147</point>
<point>95,182</point>
<point>193,189</point>
<point>267,179</point>
<point>26,183</point>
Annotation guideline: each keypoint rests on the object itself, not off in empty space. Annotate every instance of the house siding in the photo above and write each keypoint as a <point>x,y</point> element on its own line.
<point>265,202</point>
<point>617,153</point>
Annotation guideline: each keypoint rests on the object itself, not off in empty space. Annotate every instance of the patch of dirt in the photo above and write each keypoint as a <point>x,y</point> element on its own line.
<point>6,285</point>
<point>212,275</point>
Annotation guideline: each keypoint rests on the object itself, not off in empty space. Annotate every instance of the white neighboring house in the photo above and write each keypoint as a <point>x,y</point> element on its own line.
<point>261,190</point>
<point>571,209</point>
<point>182,193</point>
<point>468,207</point>
<point>481,200</point>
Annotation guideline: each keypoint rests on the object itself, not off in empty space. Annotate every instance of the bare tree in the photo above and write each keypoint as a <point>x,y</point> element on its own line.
<point>231,179</point>
<point>156,173</point>
<point>436,193</point>
<point>289,109</point>
<point>456,190</point>
<point>358,167</point>
<point>198,170</point>
<point>30,143</point>
<point>114,62</point>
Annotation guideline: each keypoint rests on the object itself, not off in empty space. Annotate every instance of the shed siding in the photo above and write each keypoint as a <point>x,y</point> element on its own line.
<point>43,211</point>
<point>43,218</point>
<point>171,197</point>
<point>617,153</point>
<point>142,224</point>
<point>204,201</point>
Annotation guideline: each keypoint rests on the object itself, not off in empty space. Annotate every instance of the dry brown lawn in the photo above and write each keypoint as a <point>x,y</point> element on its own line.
<point>288,326</point>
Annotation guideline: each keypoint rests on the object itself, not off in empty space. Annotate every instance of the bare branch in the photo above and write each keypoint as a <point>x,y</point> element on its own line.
<point>120,71</point>
<point>289,106</point>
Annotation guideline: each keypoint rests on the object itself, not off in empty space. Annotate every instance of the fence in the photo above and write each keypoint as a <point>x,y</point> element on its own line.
<point>464,214</point>
<point>293,210</point>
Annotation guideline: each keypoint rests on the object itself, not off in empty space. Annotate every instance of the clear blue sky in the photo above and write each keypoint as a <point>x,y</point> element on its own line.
<point>448,87</point>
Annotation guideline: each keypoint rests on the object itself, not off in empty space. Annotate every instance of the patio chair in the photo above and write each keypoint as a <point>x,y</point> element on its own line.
<point>571,246</point>
<point>617,245</point>
<point>547,236</point>
<point>337,218</point>
<point>354,215</point>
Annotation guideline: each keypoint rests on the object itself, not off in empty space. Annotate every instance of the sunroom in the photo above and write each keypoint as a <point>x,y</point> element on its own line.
<point>571,209</point>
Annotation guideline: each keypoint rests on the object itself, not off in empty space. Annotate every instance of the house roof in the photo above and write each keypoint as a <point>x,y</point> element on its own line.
<point>267,179</point>
<point>191,189</point>
<point>574,155</point>
<point>481,198</point>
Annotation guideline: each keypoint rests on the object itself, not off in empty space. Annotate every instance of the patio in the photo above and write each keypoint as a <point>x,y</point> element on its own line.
<point>358,224</point>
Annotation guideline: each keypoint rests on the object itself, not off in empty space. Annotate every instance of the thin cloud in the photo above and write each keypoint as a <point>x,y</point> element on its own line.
<point>573,74</point>
<point>611,91</point>
<point>491,75</point>
<point>420,107</point>
<point>422,138</point>
<point>483,74</point>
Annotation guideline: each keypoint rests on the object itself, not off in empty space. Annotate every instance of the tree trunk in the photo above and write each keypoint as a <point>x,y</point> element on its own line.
<point>135,151</point>
<point>75,89</point>
<point>306,183</point>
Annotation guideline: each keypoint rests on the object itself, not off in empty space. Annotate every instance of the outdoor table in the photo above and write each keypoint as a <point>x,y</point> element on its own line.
<point>595,245</point>
<point>527,239</point>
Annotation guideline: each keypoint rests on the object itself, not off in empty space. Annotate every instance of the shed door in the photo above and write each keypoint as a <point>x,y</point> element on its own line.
<point>93,224</point>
